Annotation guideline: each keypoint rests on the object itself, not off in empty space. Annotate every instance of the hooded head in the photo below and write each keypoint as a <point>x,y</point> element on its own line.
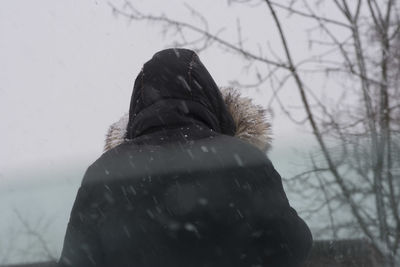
<point>175,89</point>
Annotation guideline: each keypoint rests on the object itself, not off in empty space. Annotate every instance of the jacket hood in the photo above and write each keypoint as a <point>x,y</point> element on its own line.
<point>250,121</point>
<point>175,89</point>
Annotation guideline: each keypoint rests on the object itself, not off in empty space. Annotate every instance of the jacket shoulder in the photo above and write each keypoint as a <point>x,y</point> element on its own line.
<point>129,160</point>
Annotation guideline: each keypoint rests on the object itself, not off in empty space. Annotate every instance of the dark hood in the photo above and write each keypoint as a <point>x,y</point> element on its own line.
<point>174,89</point>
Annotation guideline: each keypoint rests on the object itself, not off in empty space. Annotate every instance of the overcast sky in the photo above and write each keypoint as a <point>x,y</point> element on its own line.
<point>67,70</point>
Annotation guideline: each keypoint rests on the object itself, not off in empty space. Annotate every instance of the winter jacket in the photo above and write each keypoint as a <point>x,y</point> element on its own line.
<point>184,181</point>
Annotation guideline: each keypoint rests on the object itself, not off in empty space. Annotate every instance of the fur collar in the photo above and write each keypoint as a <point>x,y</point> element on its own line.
<point>251,122</point>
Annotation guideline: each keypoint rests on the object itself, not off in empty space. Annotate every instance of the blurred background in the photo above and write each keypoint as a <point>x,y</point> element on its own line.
<point>326,71</point>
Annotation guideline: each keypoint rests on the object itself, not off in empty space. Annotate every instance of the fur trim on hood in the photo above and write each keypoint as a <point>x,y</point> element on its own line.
<point>250,119</point>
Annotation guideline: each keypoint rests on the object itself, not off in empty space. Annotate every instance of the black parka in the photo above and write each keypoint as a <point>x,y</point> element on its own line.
<point>181,190</point>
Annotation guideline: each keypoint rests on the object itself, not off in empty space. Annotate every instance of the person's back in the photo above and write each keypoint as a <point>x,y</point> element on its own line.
<point>180,190</point>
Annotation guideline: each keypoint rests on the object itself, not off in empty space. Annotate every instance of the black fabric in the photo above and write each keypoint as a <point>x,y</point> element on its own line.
<point>171,75</point>
<point>181,194</point>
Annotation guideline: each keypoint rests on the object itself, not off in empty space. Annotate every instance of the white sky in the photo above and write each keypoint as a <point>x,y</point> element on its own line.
<point>67,70</point>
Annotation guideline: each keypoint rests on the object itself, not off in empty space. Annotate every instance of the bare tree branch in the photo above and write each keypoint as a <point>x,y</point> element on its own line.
<point>136,15</point>
<point>37,235</point>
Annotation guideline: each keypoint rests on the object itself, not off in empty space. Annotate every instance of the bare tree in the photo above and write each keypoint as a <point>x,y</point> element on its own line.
<point>357,166</point>
<point>35,237</point>
<point>26,241</point>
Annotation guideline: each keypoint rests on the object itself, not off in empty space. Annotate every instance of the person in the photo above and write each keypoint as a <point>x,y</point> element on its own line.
<point>184,181</point>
